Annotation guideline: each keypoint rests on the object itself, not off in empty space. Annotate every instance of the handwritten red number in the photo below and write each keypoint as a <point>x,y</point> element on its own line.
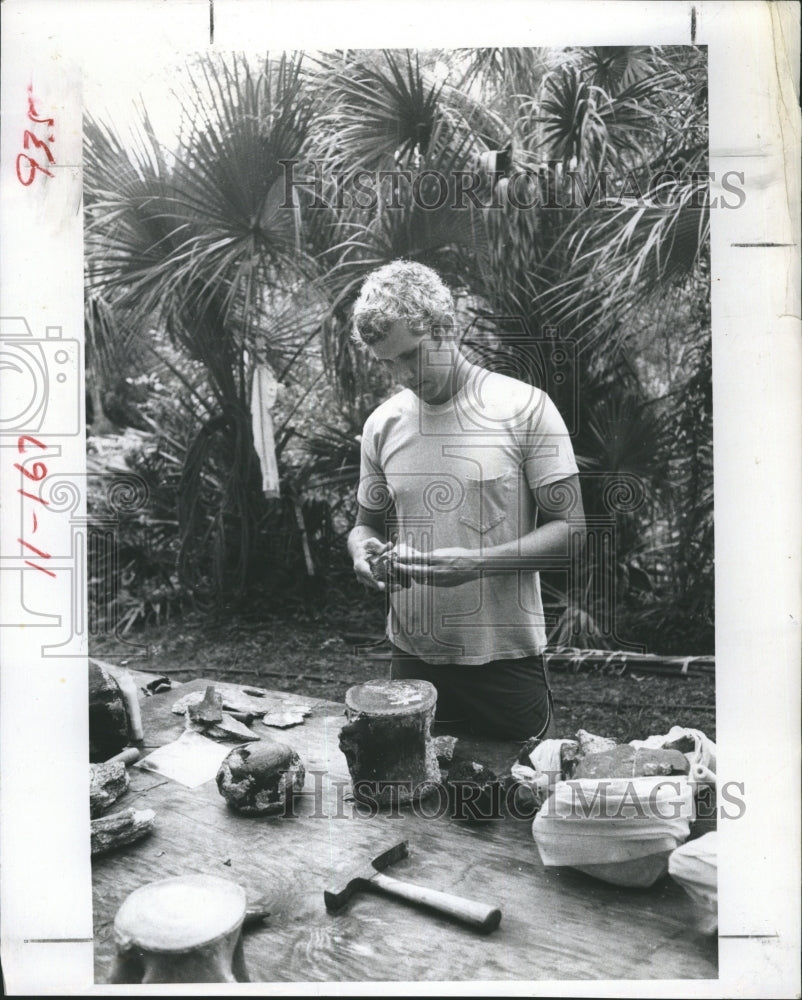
<point>33,440</point>
<point>33,496</point>
<point>33,548</point>
<point>33,166</point>
<point>37,472</point>
<point>29,138</point>
<point>43,555</point>
<point>40,568</point>
<point>33,117</point>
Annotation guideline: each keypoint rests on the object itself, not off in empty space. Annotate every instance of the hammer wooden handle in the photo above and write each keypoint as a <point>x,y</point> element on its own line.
<point>479,915</point>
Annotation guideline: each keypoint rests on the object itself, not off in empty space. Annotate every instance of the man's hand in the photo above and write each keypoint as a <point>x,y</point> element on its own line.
<point>438,568</point>
<point>364,551</point>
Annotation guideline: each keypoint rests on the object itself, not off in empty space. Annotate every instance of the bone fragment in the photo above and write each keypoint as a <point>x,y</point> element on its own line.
<point>120,828</point>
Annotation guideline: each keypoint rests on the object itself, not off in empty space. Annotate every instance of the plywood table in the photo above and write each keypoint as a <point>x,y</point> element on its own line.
<point>557,923</point>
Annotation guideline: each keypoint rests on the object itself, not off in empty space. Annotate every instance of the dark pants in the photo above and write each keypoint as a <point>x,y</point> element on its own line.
<point>507,699</point>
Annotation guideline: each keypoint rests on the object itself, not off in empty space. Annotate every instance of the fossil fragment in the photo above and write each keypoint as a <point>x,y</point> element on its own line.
<point>259,780</point>
<point>107,782</point>
<point>209,709</point>
<point>120,828</point>
<point>588,743</point>
<point>108,722</point>
<point>229,728</point>
<point>474,791</point>
<point>291,715</point>
<point>385,570</point>
<point>628,762</point>
<point>234,700</point>
<point>444,747</point>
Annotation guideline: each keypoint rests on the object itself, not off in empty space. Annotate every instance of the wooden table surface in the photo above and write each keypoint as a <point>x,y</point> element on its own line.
<point>557,923</point>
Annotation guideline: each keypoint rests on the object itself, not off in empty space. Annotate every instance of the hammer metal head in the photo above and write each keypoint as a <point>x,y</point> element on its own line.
<point>357,878</point>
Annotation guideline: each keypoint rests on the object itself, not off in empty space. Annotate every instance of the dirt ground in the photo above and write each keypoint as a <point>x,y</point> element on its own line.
<point>323,655</point>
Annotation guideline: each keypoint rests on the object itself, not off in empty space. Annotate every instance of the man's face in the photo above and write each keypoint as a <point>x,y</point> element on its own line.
<point>418,361</point>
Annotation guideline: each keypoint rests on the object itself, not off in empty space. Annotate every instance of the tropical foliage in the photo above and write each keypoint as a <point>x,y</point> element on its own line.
<point>562,194</point>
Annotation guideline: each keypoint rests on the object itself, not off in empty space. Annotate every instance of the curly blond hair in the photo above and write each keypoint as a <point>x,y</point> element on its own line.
<point>402,290</point>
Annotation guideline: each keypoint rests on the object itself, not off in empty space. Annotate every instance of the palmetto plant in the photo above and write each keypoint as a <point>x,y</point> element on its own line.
<point>648,230</point>
<point>201,244</point>
<point>381,110</point>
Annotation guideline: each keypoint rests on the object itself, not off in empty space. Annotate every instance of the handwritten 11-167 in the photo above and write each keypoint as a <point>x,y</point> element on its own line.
<point>37,472</point>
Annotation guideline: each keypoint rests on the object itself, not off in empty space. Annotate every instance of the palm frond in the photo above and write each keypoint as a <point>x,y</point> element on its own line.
<point>503,71</point>
<point>613,68</point>
<point>616,254</point>
<point>384,112</point>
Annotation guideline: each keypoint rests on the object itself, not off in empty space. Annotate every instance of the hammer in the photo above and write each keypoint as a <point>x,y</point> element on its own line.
<point>369,876</point>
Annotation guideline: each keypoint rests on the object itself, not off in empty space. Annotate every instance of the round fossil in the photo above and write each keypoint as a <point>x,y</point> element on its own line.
<point>258,780</point>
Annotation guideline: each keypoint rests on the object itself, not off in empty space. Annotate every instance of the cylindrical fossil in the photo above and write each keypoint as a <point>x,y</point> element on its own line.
<point>387,741</point>
<point>181,930</point>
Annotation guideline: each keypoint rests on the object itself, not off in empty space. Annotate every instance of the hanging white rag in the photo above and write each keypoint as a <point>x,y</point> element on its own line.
<point>264,390</point>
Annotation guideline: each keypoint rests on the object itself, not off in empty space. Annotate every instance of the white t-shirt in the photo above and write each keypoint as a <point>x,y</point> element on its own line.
<point>461,473</point>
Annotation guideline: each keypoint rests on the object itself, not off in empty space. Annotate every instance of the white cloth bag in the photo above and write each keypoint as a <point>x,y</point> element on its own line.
<point>607,826</point>
<point>695,867</point>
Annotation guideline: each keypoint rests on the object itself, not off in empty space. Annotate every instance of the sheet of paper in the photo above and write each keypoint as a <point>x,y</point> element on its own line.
<point>192,759</point>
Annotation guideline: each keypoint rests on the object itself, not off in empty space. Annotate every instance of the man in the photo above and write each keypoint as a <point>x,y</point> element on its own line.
<point>468,486</point>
